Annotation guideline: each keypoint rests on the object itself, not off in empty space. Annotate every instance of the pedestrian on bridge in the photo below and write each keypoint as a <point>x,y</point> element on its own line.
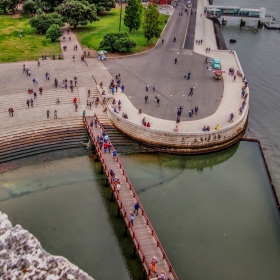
<point>153,264</point>
<point>136,208</point>
<point>131,218</point>
<point>114,153</point>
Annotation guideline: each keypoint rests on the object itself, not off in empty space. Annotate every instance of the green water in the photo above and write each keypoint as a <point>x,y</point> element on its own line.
<point>65,204</point>
<point>214,214</point>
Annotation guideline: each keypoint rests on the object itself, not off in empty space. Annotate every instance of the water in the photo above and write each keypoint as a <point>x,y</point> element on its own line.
<point>258,52</point>
<point>65,205</point>
<point>215,215</point>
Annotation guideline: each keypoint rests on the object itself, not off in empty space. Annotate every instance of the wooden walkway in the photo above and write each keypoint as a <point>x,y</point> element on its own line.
<point>144,237</point>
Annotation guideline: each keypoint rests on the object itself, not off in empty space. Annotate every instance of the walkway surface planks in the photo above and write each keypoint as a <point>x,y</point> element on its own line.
<point>144,237</point>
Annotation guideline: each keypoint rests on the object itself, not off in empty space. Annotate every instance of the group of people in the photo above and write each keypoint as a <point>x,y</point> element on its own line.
<point>115,84</point>
<point>147,124</point>
<point>124,115</point>
<point>54,113</point>
<point>198,42</point>
<point>148,86</point>
<point>206,128</point>
<point>11,112</point>
<point>193,111</point>
<point>65,83</point>
<point>244,95</point>
<point>25,70</point>
<point>207,50</point>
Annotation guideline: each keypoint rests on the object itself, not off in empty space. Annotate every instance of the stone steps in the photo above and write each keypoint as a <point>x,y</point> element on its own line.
<point>48,98</point>
<point>94,94</point>
<point>41,137</point>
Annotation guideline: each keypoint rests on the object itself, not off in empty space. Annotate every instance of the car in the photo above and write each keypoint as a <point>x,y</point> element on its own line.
<point>217,64</point>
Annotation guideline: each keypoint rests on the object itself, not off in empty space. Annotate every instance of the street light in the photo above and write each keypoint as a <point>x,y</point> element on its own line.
<point>120,16</point>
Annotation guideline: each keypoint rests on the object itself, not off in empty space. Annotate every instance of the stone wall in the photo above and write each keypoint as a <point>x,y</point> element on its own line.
<point>22,257</point>
<point>184,142</point>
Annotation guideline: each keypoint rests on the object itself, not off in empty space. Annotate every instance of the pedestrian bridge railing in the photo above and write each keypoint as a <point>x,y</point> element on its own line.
<point>145,261</point>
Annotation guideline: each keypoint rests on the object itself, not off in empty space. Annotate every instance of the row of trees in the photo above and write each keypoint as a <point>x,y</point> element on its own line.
<point>50,5</point>
<point>132,19</point>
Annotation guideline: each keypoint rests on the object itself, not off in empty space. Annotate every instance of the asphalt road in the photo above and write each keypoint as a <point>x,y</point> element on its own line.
<point>157,67</point>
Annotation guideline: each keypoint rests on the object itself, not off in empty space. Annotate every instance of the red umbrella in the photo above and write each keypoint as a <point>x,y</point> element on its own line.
<point>218,71</point>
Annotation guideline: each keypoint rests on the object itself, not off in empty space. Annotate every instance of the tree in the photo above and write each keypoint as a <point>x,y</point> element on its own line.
<point>124,44</point>
<point>132,17</point>
<point>151,24</point>
<point>77,12</point>
<point>44,21</point>
<point>51,4</point>
<point>8,5</point>
<point>103,5</point>
<point>30,7</point>
<point>54,32</point>
<point>119,41</point>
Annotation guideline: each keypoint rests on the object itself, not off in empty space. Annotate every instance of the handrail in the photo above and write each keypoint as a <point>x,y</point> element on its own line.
<point>126,217</point>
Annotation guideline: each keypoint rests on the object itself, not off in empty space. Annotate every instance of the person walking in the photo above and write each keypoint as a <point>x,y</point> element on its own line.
<point>189,75</point>
<point>147,87</point>
<point>48,113</point>
<point>234,78</point>
<point>154,87</point>
<point>153,264</point>
<point>131,219</point>
<point>176,60</point>
<point>95,122</point>
<point>122,88</point>
<point>158,101</point>
<point>114,153</point>
<point>146,98</point>
<point>136,208</point>
<point>12,112</point>
<point>196,109</point>
<point>55,114</point>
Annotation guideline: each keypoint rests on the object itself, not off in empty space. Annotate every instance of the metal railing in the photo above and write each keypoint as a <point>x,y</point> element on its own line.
<point>144,260</point>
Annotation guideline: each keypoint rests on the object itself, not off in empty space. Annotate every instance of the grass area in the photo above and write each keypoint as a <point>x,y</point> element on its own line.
<point>92,34</point>
<point>31,46</point>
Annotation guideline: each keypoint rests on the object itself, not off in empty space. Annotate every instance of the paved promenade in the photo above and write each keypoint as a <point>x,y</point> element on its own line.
<point>156,66</point>
<point>215,99</point>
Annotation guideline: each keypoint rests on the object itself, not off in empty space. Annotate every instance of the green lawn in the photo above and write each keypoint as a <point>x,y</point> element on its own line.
<point>92,34</point>
<point>30,47</point>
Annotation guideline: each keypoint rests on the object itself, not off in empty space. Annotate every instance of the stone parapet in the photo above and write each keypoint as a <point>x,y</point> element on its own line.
<point>182,142</point>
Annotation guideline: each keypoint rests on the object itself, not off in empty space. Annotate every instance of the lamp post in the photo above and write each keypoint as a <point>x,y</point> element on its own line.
<point>120,16</point>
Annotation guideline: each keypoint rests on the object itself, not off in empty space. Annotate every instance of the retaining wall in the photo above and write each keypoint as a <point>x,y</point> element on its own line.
<point>188,143</point>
